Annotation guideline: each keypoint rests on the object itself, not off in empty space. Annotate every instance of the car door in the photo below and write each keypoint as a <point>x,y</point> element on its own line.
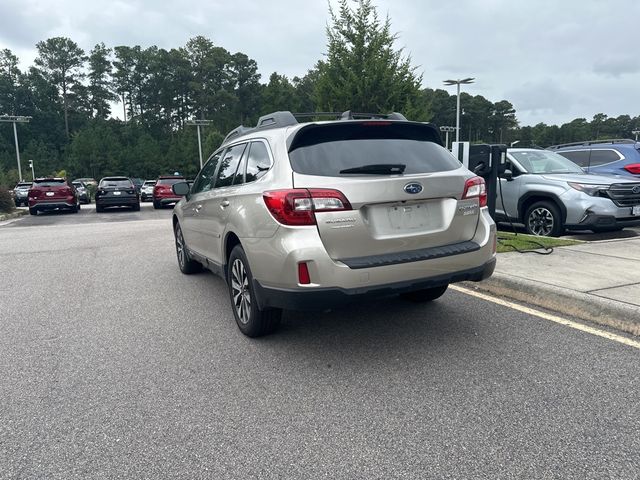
<point>215,204</point>
<point>509,193</point>
<point>192,228</point>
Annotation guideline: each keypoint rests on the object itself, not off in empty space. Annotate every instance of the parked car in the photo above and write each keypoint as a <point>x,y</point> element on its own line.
<point>51,194</point>
<point>613,157</point>
<point>549,193</point>
<point>146,192</point>
<point>116,192</point>
<point>313,215</point>
<point>162,192</point>
<point>138,183</point>
<point>83,191</point>
<point>21,193</point>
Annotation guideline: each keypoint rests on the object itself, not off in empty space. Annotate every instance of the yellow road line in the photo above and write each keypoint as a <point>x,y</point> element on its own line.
<point>553,318</point>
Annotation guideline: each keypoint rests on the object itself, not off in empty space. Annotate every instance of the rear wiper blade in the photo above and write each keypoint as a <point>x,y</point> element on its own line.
<point>377,168</point>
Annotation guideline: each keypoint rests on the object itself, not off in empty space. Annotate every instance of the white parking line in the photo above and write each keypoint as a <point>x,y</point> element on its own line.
<point>553,318</point>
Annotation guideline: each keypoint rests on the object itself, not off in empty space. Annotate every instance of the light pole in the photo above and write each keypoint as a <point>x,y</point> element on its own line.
<point>636,133</point>
<point>33,174</point>
<point>446,130</point>
<point>514,143</point>
<point>464,81</point>
<point>198,123</point>
<point>16,119</point>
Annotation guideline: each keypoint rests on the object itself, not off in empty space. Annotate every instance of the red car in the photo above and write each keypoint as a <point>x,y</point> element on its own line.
<point>51,194</point>
<point>162,193</point>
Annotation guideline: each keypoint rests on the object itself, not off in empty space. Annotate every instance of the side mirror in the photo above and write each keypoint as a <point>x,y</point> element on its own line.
<point>507,175</point>
<point>181,188</point>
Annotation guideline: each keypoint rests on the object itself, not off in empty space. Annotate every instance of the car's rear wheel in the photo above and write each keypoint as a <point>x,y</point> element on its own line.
<point>251,321</point>
<point>136,207</point>
<point>99,208</point>
<point>544,219</point>
<point>186,264</point>
<point>425,295</point>
<point>33,211</point>
<point>156,205</point>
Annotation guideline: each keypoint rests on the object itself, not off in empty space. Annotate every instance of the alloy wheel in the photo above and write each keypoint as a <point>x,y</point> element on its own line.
<point>180,246</point>
<point>240,291</point>
<point>541,222</point>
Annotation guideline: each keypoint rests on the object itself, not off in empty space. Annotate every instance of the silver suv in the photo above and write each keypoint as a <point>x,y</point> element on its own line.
<point>549,193</point>
<point>312,215</point>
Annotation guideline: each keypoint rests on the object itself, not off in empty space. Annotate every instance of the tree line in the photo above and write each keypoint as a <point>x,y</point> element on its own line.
<point>69,93</point>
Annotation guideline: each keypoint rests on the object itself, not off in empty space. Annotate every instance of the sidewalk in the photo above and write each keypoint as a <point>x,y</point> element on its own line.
<point>595,281</point>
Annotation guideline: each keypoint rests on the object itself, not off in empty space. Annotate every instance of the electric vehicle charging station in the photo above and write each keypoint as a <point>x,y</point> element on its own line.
<point>486,161</point>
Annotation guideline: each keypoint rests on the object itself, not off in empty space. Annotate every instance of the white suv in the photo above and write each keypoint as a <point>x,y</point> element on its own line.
<point>311,215</point>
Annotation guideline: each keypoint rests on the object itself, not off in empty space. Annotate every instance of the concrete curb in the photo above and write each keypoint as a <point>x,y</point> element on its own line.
<point>9,216</point>
<point>580,305</point>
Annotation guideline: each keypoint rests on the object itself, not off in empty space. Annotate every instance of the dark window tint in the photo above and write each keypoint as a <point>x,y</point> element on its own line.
<point>326,150</point>
<point>258,161</point>
<point>580,157</point>
<point>50,183</point>
<point>205,179</point>
<point>229,165</point>
<point>602,157</point>
<point>115,182</point>
<point>170,181</point>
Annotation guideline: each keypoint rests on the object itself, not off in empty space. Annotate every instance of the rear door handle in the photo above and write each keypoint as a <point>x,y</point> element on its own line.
<point>224,203</point>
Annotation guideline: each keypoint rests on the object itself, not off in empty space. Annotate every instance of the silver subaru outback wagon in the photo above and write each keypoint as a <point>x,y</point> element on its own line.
<point>317,214</point>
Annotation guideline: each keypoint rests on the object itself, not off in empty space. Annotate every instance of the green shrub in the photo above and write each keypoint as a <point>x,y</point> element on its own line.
<point>6,202</point>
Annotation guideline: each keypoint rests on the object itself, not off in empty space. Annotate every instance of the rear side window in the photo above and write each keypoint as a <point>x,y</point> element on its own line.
<point>602,157</point>
<point>327,150</point>
<point>50,183</point>
<point>579,157</point>
<point>258,161</point>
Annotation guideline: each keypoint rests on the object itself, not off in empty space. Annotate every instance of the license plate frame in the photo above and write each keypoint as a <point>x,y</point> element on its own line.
<point>409,217</point>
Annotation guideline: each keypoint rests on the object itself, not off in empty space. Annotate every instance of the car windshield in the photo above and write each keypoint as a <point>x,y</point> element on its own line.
<point>115,182</point>
<point>545,162</point>
<point>23,186</point>
<point>170,181</point>
<point>78,185</point>
<point>149,184</point>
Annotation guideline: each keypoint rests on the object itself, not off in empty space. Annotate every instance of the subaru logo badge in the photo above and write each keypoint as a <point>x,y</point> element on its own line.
<point>413,188</point>
<point>635,189</point>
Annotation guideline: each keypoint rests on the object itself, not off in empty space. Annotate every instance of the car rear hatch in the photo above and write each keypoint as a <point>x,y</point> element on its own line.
<point>50,190</point>
<point>116,189</point>
<point>402,189</point>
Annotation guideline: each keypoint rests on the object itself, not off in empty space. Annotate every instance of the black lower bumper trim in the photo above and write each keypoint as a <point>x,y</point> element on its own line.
<point>604,221</point>
<point>322,298</point>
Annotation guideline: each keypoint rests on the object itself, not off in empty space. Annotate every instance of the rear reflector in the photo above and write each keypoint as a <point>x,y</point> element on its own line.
<point>475,188</point>
<point>633,168</point>
<point>303,274</point>
<point>297,206</point>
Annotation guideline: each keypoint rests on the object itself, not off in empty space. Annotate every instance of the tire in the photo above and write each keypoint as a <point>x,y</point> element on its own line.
<point>186,264</point>
<point>136,208</point>
<point>251,321</point>
<point>425,295</point>
<point>544,219</point>
<point>156,205</point>
<point>33,211</point>
<point>99,208</point>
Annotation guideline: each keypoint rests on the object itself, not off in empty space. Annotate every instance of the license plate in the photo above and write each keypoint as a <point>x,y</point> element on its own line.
<point>408,217</point>
<point>635,210</point>
<point>116,193</point>
<point>49,194</point>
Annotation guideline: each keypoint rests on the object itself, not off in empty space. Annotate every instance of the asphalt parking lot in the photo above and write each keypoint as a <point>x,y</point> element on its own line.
<point>115,365</point>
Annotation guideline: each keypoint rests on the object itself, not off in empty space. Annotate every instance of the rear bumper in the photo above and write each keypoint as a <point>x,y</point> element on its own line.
<point>322,298</point>
<point>51,205</point>
<point>117,202</point>
<point>167,200</point>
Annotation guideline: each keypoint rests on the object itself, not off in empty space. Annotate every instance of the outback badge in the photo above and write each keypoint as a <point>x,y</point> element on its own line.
<point>413,188</point>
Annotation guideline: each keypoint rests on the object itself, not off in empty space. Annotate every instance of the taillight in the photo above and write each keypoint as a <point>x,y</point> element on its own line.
<point>475,188</point>
<point>633,168</point>
<point>297,206</point>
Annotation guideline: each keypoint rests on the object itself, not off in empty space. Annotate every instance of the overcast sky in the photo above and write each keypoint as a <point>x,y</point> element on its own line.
<point>555,60</point>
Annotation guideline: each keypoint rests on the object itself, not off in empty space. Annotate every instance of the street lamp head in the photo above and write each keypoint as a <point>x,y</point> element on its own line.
<point>464,81</point>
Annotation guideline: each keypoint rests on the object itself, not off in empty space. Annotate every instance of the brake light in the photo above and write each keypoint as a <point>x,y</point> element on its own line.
<point>475,188</point>
<point>633,168</point>
<point>297,206</point>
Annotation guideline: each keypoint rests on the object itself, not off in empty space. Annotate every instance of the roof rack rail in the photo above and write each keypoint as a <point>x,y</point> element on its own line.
<point>592,142</point>
<point>236,132</point>
<point>276,119</point>
<point>349,115</point>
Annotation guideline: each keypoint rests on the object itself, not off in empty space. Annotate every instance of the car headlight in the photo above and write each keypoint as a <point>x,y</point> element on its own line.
<point>588,188</point>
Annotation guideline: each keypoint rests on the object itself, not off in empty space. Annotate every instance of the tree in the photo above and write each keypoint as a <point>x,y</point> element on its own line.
<point>60,59</point>
<point>9,75</point>
<point>100,90</point>
<point>362,71</point>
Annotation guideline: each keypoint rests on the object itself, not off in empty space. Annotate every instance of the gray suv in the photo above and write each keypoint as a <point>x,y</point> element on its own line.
<point>313,215</point>
<point>549,193</point>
